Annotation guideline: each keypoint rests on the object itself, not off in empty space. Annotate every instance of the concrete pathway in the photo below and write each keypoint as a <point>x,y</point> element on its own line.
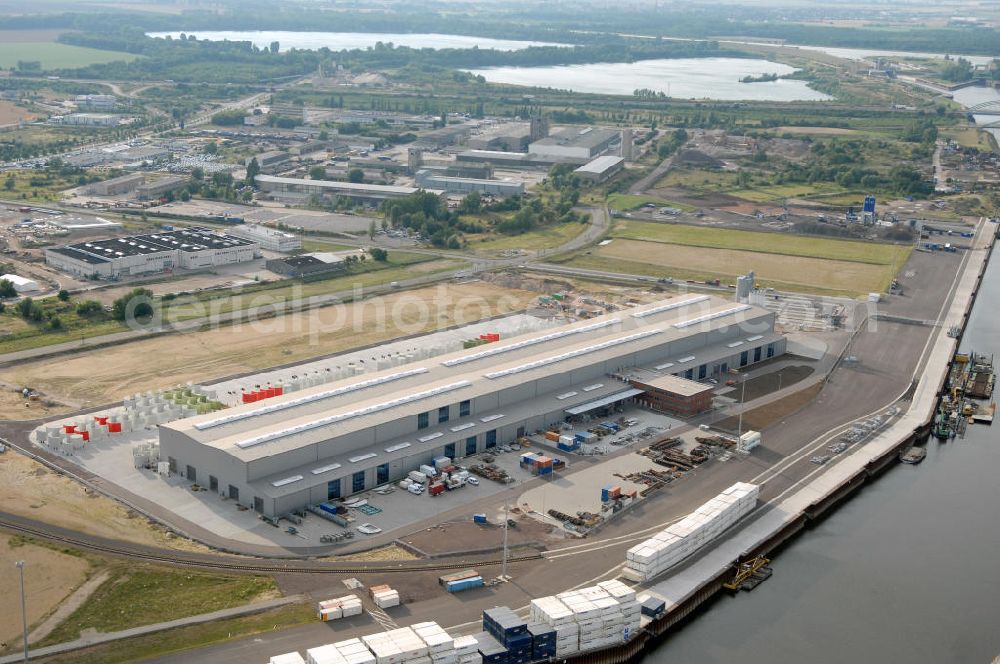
<point>76,599</point>
<point>97,638</point>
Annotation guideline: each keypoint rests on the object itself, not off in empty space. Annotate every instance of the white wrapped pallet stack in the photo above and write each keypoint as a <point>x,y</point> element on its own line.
<point>467,650</point>
<point>678,541</point>
<point>327,654</point>
<point>385,599</point>
<point>288,658</point>
<point>355,652</point>
<point>340,607</point>
<point>440,646</point>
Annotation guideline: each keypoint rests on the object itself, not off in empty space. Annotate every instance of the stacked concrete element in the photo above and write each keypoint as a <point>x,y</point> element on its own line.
<point>589,618</point>
<point>672,545</point>
<point>340,607</point>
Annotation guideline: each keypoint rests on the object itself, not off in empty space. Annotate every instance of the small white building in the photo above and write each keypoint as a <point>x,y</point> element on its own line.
<point>22,284</point>
<point>271,239</point>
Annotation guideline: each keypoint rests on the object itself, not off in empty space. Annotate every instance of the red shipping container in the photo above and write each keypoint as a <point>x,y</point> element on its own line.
<point>103,421</point>
<point>114,427</point>
<point>69,428</point>
<point>278,391</point>
<point>249,397</point>
<point>86,436</point>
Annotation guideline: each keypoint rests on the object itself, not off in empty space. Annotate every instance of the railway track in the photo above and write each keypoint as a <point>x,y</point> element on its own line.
<point>208,562</point>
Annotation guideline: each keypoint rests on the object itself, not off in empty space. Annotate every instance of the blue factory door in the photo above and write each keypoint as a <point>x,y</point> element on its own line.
<point>382,474</point>
<point>358,481</point>
<point>333,489</point>
<point>449,450</point>
<point>470,446</point>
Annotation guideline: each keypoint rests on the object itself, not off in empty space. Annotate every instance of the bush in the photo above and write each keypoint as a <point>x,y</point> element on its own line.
<point>88,308</point>
<point>63,295</point>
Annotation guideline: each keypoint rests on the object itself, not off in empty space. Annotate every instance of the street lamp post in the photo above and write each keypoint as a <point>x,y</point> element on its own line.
<point>24,611</point>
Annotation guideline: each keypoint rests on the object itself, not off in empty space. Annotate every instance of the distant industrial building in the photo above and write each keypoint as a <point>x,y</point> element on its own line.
<point>444,137</point>
<point>22,284</point>
<point>627,144</point>
<point>88,120</point>
<point>576,143</point>
<point>297,190</point>
<point>601,169</point>
<point>313,264</point>
<point>271,162</point>
<point>338,439</point>
<point>189,248</point>
<point>428,180</point>
<point>159,188</point>
<point>123,184</point>
<point>270,239</point>
<point>509,137</point>
<point>517,160</point>
<point>97,102</point>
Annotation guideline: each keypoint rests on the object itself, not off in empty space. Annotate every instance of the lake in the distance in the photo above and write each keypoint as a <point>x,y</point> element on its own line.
<point>339,41</point>
<point>680,78</point>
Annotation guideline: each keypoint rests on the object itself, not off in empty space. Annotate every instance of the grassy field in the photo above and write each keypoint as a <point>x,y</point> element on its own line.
<point>176,640</point>
<point>548,237</point>
<point>631,202</point>
<point>782,271</point>
<point>767,243</point>
<point>53,55</point>
<point>780,192</point>
<point>51,576</point>
<point>970,137</point>
<point>401,266</point>
<point>142,595</point>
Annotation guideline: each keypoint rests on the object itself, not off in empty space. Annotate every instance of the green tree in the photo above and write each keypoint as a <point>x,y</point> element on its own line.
<point>253,170</point>
<point>7,288</point>
<point>379,254</point>
<point>63,295</point>
<point>138,303</point>
<point>317,173</point>
<point>356,175</point>
<point>10,182</point>
<point>371,231</point>
<point>211,148</point>
<point>88,308</point>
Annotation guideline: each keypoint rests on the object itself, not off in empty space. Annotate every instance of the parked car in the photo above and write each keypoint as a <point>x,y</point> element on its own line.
<point>416,489</point>
<point>474,481</point>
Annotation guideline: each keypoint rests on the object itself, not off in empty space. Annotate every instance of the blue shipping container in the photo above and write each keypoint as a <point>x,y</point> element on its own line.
<point>464,584</point>
<point>479,518</point>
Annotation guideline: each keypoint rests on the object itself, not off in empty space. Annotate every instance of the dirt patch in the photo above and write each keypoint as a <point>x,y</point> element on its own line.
<point>391,552</point>
<point>761,418</point>
<point>110,374</point>
<point>29,489</point>
<point>11,113</point>
<point>13,406</point>
<point>456,537</point>
<point>49,577</point>
<point>698,158</point>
